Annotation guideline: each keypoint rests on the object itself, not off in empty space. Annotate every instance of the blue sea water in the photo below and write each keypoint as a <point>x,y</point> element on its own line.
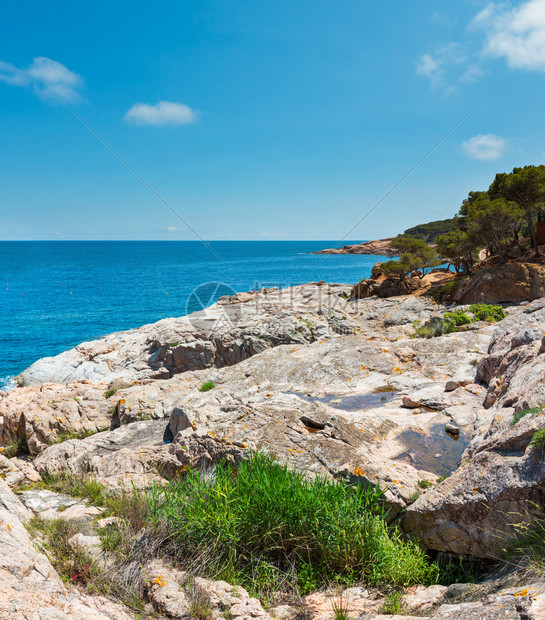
<point>54,295</point>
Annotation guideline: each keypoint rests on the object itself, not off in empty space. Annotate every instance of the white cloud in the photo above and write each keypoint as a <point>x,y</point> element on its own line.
<point>447,59</point>
<point>164,113</point>
<point>429,67</point>
<point>517,34</point>
<point>484,147</point>
<point>48,78</point>
<point>172,228</point>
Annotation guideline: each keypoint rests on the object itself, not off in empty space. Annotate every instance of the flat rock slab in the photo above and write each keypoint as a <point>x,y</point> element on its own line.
<point>41,500</point>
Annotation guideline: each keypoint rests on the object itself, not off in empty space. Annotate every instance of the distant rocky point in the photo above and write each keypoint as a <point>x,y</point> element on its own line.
<point>378,247</point>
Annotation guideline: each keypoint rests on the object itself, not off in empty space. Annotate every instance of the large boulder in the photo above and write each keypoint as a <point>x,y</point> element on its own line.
<point>475,511</point>
<point>40,415</point>
<point>514,368</point>
<point>510,282</point>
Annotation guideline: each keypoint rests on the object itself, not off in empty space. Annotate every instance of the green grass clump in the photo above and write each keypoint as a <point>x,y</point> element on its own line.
<point>538,439</point>
<point>174,344</point>
<point>487,312</point>
<point>424,484</point>
<point>109,393</point>
<point>527,550</point>
<point>434,327</point>
<point>393,603</point>
<point>340,611</point>
<point>82,434</point>
<point>260,523</point>
<point>206,386</point>
<point>17,447</point>
<point>518,416</point>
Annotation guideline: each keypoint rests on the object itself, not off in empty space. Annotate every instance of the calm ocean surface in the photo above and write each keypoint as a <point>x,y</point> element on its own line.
<point>57,294</point>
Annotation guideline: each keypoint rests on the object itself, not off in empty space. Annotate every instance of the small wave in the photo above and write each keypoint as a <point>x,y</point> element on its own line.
<point>7,383</point>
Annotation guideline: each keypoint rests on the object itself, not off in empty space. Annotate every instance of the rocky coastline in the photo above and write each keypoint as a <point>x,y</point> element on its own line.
<point>330,383</point>
<point>376,247</point>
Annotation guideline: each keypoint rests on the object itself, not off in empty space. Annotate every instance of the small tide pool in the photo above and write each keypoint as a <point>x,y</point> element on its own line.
<point>437,451</point>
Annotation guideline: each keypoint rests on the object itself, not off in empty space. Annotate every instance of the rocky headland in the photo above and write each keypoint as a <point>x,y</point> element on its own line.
<point>376,247</point>
<point>330,382</point>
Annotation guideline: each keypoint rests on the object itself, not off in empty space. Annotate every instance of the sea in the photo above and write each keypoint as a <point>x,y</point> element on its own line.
<point>57,294</point>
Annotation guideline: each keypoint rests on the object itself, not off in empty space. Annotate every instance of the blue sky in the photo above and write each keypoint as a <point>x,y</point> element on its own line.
<point>260,120</point>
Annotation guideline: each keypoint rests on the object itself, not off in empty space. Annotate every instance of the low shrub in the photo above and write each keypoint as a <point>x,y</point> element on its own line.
<point>206,386</point>
<point>424,484</point>
<point>487,312</point>
<point>109,393</point>
<point>434,327</point>
<point>457,318</point>
<point>450,321</point>
<point>519,415</point>
<point>263,525</point>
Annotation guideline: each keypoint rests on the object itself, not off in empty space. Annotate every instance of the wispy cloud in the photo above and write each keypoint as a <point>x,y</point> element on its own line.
<point>438,66</point>
<point>431,68</point>
<point>516,34</point>
<point>485,147</point>
<point>172,228</point>
<point>163,113</point>
<point>48,78</point>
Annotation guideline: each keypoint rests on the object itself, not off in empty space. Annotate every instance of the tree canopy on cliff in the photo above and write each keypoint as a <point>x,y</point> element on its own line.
<point>495,219</point>
<point>416,256</point>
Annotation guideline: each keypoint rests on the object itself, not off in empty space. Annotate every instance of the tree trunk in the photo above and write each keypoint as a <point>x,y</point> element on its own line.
<point>532,232</point>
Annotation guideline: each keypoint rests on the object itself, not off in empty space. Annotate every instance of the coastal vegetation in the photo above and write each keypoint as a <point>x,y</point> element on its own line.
<point>451,321</point>
<point>266,526</point>
<point>430,231</point>
<point>416,256</point>
<point>501,221</point>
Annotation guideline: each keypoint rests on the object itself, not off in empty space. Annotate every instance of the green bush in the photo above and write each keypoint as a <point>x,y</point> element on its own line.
<point>487,312</point>
<point>206,386</point>
<point>262,518</point>
<point>518,416</point>
<point>458,317</point>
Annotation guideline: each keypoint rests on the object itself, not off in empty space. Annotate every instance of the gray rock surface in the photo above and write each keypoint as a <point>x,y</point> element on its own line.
<point>222,335</point>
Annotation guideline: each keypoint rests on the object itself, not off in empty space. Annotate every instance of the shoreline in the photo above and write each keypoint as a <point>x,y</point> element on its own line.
<point>375,247</point>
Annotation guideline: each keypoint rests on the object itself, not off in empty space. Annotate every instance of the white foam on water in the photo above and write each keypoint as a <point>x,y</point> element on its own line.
<point>7,383</point>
